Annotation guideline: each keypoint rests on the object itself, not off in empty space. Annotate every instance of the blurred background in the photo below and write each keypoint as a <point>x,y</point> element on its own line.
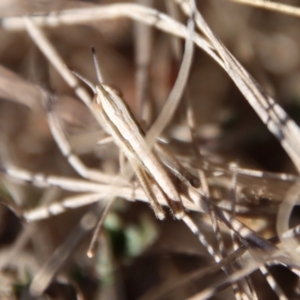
<point>138,256</point>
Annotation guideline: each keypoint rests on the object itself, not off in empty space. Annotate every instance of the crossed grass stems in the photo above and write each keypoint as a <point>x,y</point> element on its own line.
<point>98,185</point>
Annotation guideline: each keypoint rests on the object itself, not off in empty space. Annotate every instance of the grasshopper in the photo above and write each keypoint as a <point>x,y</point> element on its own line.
<point>117,120</point>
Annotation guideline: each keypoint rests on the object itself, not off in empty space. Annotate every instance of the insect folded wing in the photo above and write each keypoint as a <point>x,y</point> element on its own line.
<point>129,138</point>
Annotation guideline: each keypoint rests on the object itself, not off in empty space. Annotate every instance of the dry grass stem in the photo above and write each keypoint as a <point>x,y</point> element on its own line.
<point>273,6</point>
<point>166,125</point>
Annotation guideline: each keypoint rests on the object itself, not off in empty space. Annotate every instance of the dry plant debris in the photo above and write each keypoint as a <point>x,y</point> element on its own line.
<point>90,160</point>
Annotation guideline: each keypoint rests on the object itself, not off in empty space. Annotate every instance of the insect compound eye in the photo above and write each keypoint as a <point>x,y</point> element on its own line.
<point>118,92</point>
<point>114,91</point>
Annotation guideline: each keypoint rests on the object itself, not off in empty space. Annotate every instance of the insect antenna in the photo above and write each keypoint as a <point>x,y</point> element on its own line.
<point>98,72</point>
<point>96,63</point>
<point>86,81</point>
